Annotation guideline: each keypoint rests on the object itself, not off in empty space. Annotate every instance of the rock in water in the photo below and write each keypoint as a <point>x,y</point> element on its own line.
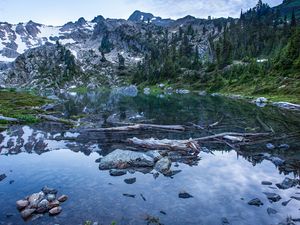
<point>2,177</point>
<point>22,204</point>
<point>266,183</point>
<point>117,173</point>
<point>184,195</point>
<point>27,213</point>
<point>55,211</point>
<point>257,202</point>
<point>51,197</point>
<point>271,211</point>
<point>287,183</point>
<point>286,202</point>
<point>48,190</point>
<point>270,146</point>
<point>122,159</point>
<point>130,180</point>
<point>43,206</point>
<point>272,197</point>
<point>35,199</point>
<point>53,204</point>
<point>163,165</point>
<point>63,198</point>
<point>296,198</point>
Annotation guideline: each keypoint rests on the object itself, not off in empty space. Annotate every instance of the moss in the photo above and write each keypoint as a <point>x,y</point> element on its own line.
<point>20,105</point>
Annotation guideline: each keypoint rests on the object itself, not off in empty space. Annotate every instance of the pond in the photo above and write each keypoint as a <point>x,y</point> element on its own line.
<point>220,183</point>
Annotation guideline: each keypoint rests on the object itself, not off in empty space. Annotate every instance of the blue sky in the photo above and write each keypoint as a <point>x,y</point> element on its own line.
<point>58,12</point>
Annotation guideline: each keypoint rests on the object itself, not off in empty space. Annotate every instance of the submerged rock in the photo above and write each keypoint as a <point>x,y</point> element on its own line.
<point>271,211</point>
<point>184,194</point>
<point>35,199</point>
<point>129,195</point>
<point>2,177</point>
<point>273,197</point>
<point>62,198</point>
<point>163,165</point>
<point>48,190</point>
<point>287,183</point>
<point>266,183</point>
<point>122,159</point>
<point>130,180</point>
<point>270,146</point>
<point>256,202</point>
<point>117,173</point>
<point>286,202</point>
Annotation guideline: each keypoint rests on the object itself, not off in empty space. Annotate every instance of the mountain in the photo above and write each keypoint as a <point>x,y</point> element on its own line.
<point>142,17</point>
<point>287,7</point>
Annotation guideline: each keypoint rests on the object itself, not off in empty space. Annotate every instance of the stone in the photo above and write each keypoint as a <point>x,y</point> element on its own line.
<point>51,197</point>
<point>296,198</point>
<point>130,180</point>
<point>27,213</point>
<point>2,177</point>
<point>129,195</point>
<point>48,190</point>
<point>62,198</point>
<point>272,197</point>
<point>35,199</point>
<point>43,206</point>
<point>163,165</point>
<point>122,159</point>
<point>55,211</point>
<point>284,146</point>
<point>287,183</point>
<point>266,183</point>
<point>225,221</point>
<point>271,211</point>
<point>256,202</point>
<point>22,204</point>
<point>116,173</point>
<point>53,204</point>
<point>285,203</point>
<point>184,195</point>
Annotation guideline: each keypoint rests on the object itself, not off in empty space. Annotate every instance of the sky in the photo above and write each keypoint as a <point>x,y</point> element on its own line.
<point>58,12</point>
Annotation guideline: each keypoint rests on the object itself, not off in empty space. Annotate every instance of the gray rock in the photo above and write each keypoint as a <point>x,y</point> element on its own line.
<point>129,195</point>
<point>163,165</point>
<point>117,173</point>
<point>55,211</point>
<point>256,202</point>
<point>296,198</point>
<point>273,197</point>
<point>53,204</point>
<point>287,183</point>
<point>284,146</point>
<point>122,159</point>
<point>27,213</point>
<point>271,211</point>
<point>22,204</point>
<point>184,195</point>
<point>266,183</point>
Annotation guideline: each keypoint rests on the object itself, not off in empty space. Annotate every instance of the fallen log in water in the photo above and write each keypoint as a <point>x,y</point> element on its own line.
<point>192,144</point>
<point>139,127</point>
<point>8,119</point>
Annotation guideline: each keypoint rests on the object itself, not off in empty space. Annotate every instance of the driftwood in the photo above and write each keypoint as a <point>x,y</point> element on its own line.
<point>139,127</point>
<point>8,119</point>
<point>58,120</point>
<point>193,144</point>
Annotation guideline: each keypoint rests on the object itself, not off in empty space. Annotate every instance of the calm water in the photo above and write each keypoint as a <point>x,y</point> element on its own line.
<point>221,184</point>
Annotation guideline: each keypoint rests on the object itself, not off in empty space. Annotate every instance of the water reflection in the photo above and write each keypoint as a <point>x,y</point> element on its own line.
<point>222,184</point>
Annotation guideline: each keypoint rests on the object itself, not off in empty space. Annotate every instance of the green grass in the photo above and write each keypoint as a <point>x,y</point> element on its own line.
<point>20,105</point>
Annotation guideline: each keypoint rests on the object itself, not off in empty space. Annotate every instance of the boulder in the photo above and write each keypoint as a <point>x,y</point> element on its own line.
<point>117,173</point>
<point>163,165</point>
<point>184,194</point>
<point>122,159</point>
<point>53,204</point>
<point>55,211</point>
<point>51,197</point>
<point>130,180</point>
<point>22,204</point>
<point>48,190</point>
<point>35,199</point>
<point>266,183</point>
<point>271,211</point>
<point>2,177</point>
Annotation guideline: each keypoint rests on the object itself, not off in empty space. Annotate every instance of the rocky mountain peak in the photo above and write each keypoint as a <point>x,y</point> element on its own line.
<point>138,16</point>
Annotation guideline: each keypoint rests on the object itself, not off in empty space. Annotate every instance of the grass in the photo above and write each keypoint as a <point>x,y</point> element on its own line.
<point>23,106</point>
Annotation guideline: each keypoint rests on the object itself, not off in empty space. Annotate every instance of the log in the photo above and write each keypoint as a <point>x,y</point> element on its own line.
<point>192,144</point>
<point>57,120</point>
<point>139,127</point>
<point>8,119</point>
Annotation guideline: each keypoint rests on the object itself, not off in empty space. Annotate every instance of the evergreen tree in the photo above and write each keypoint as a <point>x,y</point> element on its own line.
<point>293,19</point>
